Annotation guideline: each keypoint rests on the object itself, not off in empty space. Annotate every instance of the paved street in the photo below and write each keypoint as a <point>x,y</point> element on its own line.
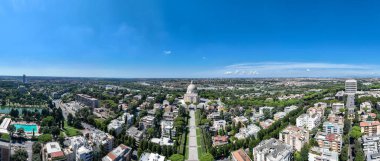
<point>193,146</point>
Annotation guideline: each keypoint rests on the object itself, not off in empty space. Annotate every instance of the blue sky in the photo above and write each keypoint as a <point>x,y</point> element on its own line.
<point>197,38</point>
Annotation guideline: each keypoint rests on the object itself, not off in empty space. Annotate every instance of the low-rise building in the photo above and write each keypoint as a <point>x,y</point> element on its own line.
<point>219,140</point>
<point>248,131</point>
<point>336,107</point>
<point>262,109</point>
<point>322,105</point>
<point>162,141</point>
<point>339,95</point>
<point>220,124</point>
<point>289,109</point>
<point>240,155</point>
<point>272,150</point>
<point>169,116</point>
<point>370,128</point>
<point>256,117</point>
<point>365,107</point>
<point>214,116</point>
<point>4,125</point>
<point>329,141</point>
<point>368,116</point>
<point>279,115</point>
<point>53,151</point>
<point>120,153</point>
<point>294,136</point>
<point>241,119</point>
<point>151,157</point>
<point>320,154</point>
<point>135,133</point>
<point>117,124</point>
<point>265,124</point>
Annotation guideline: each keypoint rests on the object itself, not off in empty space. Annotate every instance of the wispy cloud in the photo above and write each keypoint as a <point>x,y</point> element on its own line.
<point>167,52</point>
<point>299,69</point>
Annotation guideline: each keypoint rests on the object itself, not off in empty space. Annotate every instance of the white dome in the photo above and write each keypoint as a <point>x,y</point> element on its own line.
<point>191,88</point>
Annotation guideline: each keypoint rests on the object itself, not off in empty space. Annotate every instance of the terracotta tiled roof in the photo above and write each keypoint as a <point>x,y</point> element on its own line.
<point>240,155</point>
<point>57,154</point>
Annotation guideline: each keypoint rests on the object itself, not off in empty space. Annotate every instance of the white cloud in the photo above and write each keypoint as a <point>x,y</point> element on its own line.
<point>167,52</point>
<point>299,69</point>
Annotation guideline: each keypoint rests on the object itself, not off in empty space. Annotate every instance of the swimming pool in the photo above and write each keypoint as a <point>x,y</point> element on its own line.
<point>27,128</point>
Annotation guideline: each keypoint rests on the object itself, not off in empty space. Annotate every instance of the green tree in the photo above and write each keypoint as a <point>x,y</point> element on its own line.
<point>356,132</point>
<point>207,157</point>
<point>11,129</point>
<point>45,138</point>
<point>20,155</point>
<point>36,148</point>
<point>176,157</point>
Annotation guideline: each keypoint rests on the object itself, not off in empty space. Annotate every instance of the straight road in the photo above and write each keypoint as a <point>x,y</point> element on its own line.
<point>193,145</point>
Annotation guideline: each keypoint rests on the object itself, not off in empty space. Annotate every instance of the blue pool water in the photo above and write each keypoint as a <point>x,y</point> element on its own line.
<point>27,128</point>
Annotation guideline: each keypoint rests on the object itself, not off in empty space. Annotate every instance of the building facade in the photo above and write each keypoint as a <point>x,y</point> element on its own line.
<point>294,136</point>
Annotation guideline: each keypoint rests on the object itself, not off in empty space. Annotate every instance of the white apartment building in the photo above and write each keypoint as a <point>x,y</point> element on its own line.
<point>365,107</point>
<point>78,149</point>
<point>336,107</point>
<point>332,128</point>
<point>101,138</point>
<point>371,147</point>
<point>120,153</point>
<point>117,124</point>
<point>248,131</point>
<point>320,154</point>
<point>289,109</point>
<point>351,86</point>
<point>308,121</point>
<point>151,157</point>
<point>220,124</point>
<point>272,150</point>
<point>262,109</point>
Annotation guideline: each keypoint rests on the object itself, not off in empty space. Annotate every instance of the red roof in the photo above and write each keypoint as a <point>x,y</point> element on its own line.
<point>330,137</point>
<point>221,138</point>
<point>369,123</point>
<point>57,154</point>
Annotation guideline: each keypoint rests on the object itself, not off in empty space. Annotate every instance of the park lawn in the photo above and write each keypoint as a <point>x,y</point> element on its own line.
<point>71,131</point>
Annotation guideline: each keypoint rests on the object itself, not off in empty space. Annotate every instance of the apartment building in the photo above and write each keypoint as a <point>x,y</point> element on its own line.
<point>294,136</point>
<point>272,150</point>
<point>370,128</point>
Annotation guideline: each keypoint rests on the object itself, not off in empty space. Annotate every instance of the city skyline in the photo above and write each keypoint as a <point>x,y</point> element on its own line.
<point>197,39</point>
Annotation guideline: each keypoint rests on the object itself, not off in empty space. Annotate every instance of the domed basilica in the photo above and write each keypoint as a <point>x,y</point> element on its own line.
<point>191,94</point>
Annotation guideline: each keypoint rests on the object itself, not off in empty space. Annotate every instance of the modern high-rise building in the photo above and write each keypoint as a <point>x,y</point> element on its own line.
<point>24,78</point>
<point>351,86</point>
